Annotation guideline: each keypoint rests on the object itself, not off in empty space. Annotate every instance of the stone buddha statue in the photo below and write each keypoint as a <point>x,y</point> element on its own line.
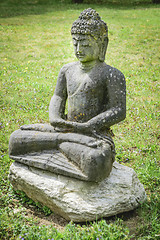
<point>79,144</point>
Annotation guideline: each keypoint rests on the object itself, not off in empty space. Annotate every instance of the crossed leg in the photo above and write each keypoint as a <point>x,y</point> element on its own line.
<point>93,157</point>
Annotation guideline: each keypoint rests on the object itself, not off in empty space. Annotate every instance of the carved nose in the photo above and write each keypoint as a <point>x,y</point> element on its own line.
<point>78,48</point>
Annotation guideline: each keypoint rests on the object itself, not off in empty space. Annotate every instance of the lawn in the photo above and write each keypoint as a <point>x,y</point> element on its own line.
<point>35,44</point>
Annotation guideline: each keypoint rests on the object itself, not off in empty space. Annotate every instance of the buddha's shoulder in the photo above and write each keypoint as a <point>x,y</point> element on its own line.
<point>69,66</point>
<point>112,72</point>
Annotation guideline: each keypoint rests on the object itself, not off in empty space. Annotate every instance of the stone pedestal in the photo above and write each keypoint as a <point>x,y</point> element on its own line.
<point>79,200</point>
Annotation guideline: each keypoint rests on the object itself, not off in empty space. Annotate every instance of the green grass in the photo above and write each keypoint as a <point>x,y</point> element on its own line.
<point>35,44</point>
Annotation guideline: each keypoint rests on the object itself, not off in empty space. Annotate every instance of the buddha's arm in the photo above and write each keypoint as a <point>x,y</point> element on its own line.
<point>107,119</point>
<point>57,107</point>
<point>116,110</point>
<point>58,101</point>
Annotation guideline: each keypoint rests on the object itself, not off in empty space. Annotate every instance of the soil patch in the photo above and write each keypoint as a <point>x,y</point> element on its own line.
<point>131,219</point>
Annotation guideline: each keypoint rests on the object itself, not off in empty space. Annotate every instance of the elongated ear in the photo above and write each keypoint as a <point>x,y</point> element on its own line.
<point>103,49</point>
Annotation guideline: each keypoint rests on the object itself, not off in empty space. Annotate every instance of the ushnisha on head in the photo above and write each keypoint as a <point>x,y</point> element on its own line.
<point>90,24</point>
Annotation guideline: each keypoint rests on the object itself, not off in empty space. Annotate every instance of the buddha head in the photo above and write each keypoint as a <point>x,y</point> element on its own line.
<point>90,36</point>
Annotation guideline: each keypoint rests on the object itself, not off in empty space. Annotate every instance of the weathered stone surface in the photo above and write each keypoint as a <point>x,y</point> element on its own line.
<point>80,200</point>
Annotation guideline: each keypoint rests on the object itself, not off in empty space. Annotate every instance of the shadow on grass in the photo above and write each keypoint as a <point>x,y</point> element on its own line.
<point>13,8</point>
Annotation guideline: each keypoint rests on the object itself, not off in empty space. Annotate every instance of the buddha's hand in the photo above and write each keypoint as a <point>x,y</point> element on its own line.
<point>58,123</point>
<point>62,125</point>
<point>85,128</point>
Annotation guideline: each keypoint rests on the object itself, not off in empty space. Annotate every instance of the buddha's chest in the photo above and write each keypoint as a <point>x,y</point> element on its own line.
<point>87,96</point>
<point>85,85</point>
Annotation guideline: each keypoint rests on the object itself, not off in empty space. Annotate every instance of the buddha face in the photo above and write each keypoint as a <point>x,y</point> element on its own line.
<point>86,47</point>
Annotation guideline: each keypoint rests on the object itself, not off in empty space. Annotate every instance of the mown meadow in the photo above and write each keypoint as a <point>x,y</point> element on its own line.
<point>35,44</point>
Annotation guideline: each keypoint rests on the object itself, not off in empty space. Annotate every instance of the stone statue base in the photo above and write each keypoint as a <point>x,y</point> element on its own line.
<point>79,200</point>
